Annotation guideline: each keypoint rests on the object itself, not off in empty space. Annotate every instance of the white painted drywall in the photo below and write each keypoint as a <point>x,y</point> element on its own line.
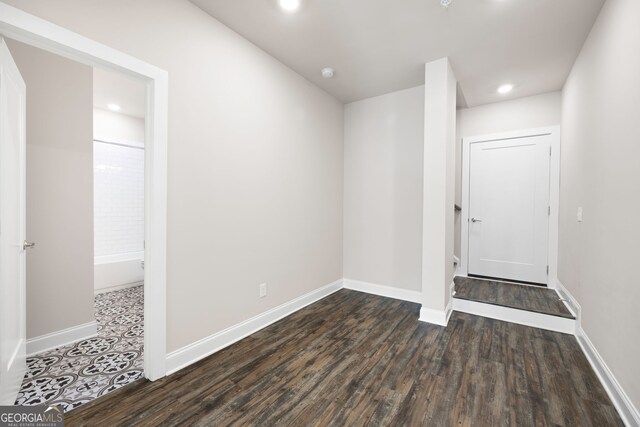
<point>600,173</point>
<point>255,168</point>
<point>523,113</point>
<point>116,127</point>
<point>383,189</point>
<point>59,190</point>
<point>438,185</point>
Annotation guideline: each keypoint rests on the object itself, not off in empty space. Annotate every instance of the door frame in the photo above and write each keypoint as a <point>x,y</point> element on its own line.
<point>554,193</point>
<point>37,32</point>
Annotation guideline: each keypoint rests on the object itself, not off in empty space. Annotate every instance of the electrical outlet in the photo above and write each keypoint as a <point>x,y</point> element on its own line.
<point>579,215</point>
<point>263,290</point>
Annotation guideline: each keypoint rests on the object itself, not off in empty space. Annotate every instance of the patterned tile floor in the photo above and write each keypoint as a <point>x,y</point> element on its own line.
<point>80,372</point>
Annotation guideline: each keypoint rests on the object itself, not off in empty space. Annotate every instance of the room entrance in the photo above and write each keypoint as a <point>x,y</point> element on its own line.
<point>31,30</point>
<point>508,207</point>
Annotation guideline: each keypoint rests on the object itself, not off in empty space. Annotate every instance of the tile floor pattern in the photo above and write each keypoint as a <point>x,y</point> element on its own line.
<point>80,372</point>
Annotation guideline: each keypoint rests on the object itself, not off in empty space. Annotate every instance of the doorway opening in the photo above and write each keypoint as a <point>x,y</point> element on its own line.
<point>85,212</point>
<point>509,219</point>
<point>509,229</point>
<point>35,32</point>
<point>119,240</point>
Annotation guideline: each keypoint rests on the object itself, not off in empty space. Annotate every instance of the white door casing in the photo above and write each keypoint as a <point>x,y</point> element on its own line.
<point>34,31</point>
<point>509,205</point>
<point>12,228</point>
<point>508,202</point>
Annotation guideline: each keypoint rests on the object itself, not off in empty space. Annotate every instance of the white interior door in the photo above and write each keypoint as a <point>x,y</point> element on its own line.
<point>509,208</point>
<point>12,228</point>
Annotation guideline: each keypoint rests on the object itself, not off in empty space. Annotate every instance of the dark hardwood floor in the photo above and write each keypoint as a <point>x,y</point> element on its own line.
<point>523,297</point>
<point>356,359</point>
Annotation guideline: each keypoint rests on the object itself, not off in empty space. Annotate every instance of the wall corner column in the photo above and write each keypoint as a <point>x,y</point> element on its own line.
<point>438,191</point>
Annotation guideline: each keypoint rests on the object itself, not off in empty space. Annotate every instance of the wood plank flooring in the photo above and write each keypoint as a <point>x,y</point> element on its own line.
<point>523,297</point>
<point>357,359</point>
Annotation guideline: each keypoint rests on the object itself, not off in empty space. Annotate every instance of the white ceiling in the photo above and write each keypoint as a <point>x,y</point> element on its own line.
<point>380,46</point>
<point>110,87</point>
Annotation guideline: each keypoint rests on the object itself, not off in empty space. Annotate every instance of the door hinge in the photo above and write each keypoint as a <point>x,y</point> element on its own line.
<point>549,210</point>
<point>550,151</point>
<point>547,270</point>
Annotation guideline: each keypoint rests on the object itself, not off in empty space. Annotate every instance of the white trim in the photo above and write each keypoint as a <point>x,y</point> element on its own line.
<point>569,301</point>
<point>200,349</point>
<point>437,317</point>
<point>627,411</point>
<point>383,291</point>
<point>554,194</point>
<point>29,29</point>
<point>117,288</point>
<point>61,338</point>
<point>514,315</point>
<point>457,271</point>
<point>554,204</point>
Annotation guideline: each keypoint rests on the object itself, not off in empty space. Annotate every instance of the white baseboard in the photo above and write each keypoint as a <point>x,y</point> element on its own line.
<point>200,349</point>
<point>428,315</point>
<point>383,291</point>
<point>117,288</point>
<point>513,315</point>
<point>621,401</point>
<point>627,411</point>
<point>438,317</point>
<point>61,338</point>
<point>569,301</point>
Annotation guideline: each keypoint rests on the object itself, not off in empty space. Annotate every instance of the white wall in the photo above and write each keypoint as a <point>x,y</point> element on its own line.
<point>59,190</point>
<point>255,162</point>
<point>523,113</point>
<point>114,127</point>
<point>438,190</point>
<point>601,172</point>
<point>383,189</point>
<point>118,199</point>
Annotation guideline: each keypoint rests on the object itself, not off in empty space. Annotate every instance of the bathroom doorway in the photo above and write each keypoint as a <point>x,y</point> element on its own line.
<point>33,31</point>
<point>85,213</point>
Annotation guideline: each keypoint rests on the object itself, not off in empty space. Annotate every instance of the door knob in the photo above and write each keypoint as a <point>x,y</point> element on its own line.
<point>476,220</point>
<point>27,245</point>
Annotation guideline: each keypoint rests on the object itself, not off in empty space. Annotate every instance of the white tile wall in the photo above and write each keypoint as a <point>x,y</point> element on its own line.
<point>118,199</point>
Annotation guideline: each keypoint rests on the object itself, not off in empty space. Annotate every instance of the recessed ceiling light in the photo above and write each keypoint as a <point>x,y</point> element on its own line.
<point>505,89</point>
<point>445,3</point>
<point>327,72</point>
<point>289,5</point>
<point>113,107</point>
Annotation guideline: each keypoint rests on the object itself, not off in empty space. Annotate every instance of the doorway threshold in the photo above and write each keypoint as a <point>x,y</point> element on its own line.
<point>516,296</point>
